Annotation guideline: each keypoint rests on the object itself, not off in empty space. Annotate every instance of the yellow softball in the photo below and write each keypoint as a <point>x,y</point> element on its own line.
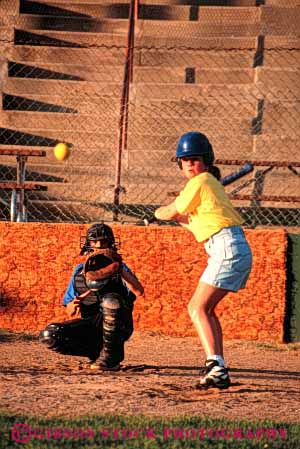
<point>62,151</point>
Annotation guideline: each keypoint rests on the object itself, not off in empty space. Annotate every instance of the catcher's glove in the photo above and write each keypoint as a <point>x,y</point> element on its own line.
<point>100,267</point>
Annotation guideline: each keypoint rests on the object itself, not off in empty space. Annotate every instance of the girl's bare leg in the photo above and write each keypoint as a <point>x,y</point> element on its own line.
<point>201,310</point>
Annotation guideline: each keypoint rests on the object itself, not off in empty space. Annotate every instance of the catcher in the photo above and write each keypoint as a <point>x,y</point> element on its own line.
<point>102,291</point>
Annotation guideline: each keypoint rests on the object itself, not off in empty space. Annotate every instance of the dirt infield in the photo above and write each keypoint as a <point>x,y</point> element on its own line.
<point>157,379</point>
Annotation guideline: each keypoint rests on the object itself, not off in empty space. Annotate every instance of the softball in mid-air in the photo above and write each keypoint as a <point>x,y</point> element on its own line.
<point>62,151</point>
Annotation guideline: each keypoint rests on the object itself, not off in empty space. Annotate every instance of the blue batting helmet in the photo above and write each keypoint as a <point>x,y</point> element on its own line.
<point>195,143</point>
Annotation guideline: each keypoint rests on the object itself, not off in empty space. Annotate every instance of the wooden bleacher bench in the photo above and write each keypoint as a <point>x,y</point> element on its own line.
<point>257,163</point>
<point>23,152</point>
<point>20,186</point>
<point>259,197</point>
<point>24,186</point>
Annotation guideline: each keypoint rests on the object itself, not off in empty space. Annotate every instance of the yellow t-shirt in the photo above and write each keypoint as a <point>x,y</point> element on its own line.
<point>207,205</point>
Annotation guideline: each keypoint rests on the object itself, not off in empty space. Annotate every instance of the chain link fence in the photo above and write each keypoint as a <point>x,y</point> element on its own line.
<point>121,92</point>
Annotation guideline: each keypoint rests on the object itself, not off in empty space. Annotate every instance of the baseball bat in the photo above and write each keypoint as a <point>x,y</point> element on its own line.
<point>247,168</point>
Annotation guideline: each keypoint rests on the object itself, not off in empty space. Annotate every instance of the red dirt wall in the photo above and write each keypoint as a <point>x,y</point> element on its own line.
<point>37,259</point>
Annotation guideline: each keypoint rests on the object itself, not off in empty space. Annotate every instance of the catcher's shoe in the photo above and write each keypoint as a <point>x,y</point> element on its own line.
<point>216,376</point>
<point>103,366</point>
<point>87,364</point>
<point>109,362</point>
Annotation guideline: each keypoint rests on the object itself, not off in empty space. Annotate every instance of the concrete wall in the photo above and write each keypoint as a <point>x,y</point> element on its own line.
<point>36,261</point>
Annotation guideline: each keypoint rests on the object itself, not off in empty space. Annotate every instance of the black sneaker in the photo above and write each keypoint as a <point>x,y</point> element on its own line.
<point>216,376</point>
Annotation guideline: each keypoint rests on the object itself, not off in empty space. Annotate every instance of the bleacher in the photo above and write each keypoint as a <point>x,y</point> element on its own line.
<point>227,68</point>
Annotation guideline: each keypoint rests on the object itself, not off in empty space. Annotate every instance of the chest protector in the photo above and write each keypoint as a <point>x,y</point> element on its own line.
<point>91,304</point>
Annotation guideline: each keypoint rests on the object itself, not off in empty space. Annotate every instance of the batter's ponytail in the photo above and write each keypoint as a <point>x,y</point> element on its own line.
<point>215,171</point>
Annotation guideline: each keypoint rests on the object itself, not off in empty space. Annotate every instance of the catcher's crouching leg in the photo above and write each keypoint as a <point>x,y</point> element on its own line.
<point>127,321</point>
<point>113,345</point>
<point>78,337</point>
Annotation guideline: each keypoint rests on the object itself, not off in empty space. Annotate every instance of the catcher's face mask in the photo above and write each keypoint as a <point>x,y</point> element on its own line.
<point>99,243</point>
<point>98,236</point>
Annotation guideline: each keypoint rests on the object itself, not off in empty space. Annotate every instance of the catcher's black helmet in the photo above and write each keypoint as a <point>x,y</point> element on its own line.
<point>98,231</point>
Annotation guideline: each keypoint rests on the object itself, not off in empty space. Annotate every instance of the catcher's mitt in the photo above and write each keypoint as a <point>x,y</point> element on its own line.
<point>100,267</point>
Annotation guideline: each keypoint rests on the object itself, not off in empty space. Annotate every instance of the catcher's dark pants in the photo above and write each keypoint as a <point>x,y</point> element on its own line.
<point>86,336</point>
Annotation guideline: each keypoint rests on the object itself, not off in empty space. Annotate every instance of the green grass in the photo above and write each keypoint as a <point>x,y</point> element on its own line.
<point>105,431</point>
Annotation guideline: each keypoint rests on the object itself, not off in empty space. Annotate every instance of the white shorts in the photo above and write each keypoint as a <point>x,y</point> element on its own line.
<point>230,259</point>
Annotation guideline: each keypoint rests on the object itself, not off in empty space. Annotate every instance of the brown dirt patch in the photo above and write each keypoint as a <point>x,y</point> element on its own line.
<point>157,379</point>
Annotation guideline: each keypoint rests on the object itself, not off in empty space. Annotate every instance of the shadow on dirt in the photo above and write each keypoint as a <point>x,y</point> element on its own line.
<point>159,368</point>
<point>7,336</point>
<point>262,371</point>
<point>71,368</point>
